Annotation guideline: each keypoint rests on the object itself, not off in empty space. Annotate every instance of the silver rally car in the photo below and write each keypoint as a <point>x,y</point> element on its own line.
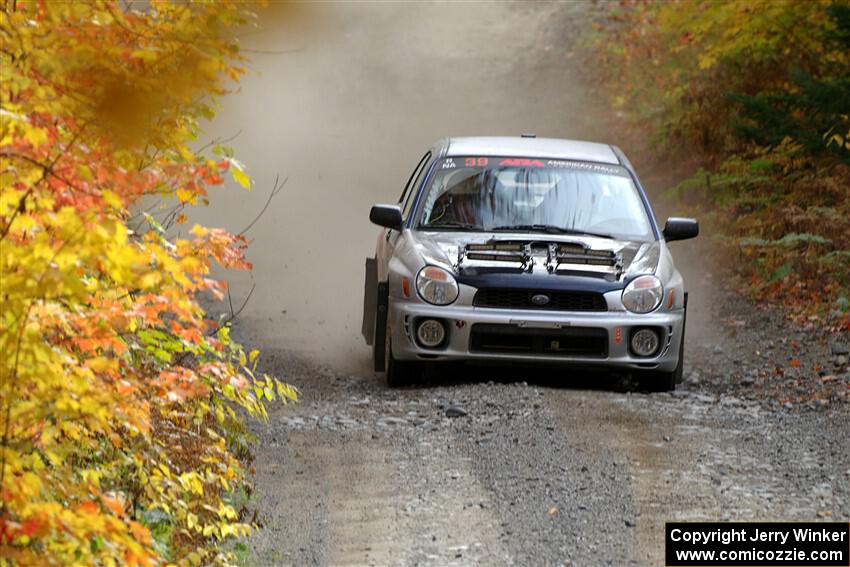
<point>525,249</point>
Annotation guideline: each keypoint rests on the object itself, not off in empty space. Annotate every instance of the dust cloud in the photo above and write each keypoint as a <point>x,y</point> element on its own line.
<point>343,102</point>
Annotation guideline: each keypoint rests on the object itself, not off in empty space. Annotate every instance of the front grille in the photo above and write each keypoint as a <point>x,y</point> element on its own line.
<point>512,298</point>
<point>585,342</point>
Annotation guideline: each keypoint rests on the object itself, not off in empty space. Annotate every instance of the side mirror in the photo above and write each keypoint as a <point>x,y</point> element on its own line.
<point>388,216</point>
<point>678,228</point>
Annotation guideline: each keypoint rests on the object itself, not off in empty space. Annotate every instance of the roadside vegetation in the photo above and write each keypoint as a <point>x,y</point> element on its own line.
<point>754,96</point>
<point>121,404</point>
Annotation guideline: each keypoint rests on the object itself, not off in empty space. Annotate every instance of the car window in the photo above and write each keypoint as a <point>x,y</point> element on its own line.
<point>487,193</point>
<point>410,179</point>
<point>409,195</point>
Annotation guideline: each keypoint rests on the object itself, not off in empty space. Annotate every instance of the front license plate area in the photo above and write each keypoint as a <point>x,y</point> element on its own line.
<point>538,324</point>
<point>569,341</point>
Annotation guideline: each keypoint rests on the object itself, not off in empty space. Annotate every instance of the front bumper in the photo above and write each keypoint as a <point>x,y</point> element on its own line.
<point>460,319</point>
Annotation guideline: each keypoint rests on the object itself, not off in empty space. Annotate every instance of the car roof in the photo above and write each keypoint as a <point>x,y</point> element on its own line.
<point>553,148</point>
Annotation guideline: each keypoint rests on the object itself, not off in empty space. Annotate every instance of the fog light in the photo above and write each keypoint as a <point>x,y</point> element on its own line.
<point>430,333</point>
<point>645,342</point>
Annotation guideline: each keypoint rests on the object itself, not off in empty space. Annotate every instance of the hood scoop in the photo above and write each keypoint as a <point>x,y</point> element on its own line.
<point>570,256</point>
<point>556,257</point>
<point>495,253</point>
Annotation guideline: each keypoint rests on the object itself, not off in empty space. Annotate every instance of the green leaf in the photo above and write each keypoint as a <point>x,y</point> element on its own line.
<point>760,165</point>
<point>223,151</point>
<point>781,273</point>
<point>154,224</point>
<point>790,240</point>
<point>95,544</point>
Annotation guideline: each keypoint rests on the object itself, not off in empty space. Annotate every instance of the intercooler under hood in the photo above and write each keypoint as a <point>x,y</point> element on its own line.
<point>554,257</point>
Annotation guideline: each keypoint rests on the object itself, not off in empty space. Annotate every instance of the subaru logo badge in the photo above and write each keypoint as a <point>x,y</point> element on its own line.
<point>540,299</point>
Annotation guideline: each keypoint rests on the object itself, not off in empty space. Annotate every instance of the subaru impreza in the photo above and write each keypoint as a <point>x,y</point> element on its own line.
<point>530,250</point>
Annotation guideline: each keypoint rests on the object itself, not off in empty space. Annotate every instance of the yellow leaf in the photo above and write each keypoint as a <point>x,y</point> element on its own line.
<point>84,172</point>
<point>150,280</point>
<point>199,231</point>
<point>241,177</point>
<point>53,457</point>
<point>185,153</point>
<point>187,196</point>
<point>35,136</point>
<point>146,55</point>
<point>165,470</point>
<point>100,363</point>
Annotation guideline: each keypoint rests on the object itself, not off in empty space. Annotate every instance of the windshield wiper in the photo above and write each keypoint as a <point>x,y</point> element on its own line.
<point>549,228</point>
<point>452,225</point>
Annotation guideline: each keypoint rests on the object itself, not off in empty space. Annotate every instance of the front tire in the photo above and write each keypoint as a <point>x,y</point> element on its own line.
<point>658,381</point>
<point>399,372</point>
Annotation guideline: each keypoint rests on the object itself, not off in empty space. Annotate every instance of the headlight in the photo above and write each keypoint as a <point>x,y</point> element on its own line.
<point>643,294</point>
<point>436,285</point>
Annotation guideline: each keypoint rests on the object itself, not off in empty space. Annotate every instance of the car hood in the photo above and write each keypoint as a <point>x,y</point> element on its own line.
<point>441,249</point>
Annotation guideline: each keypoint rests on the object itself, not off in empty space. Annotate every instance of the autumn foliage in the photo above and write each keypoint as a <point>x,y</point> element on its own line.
<point>121,404</point>
<point>753,96</point>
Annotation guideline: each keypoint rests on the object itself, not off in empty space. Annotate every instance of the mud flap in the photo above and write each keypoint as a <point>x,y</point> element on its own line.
<point>381,313</point>
<point>370,298</point>
<point>682,343</point>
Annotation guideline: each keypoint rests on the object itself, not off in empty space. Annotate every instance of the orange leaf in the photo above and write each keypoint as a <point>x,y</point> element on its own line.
<point>88,506</point>
<point>140,532</point>
<point>114,505</point>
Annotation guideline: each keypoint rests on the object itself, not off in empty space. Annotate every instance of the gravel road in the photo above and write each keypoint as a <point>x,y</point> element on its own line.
<point>535,473</point>
<point>542,467</point>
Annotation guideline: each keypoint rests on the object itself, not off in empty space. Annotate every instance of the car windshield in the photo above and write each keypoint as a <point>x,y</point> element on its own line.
<point>534,195</point>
